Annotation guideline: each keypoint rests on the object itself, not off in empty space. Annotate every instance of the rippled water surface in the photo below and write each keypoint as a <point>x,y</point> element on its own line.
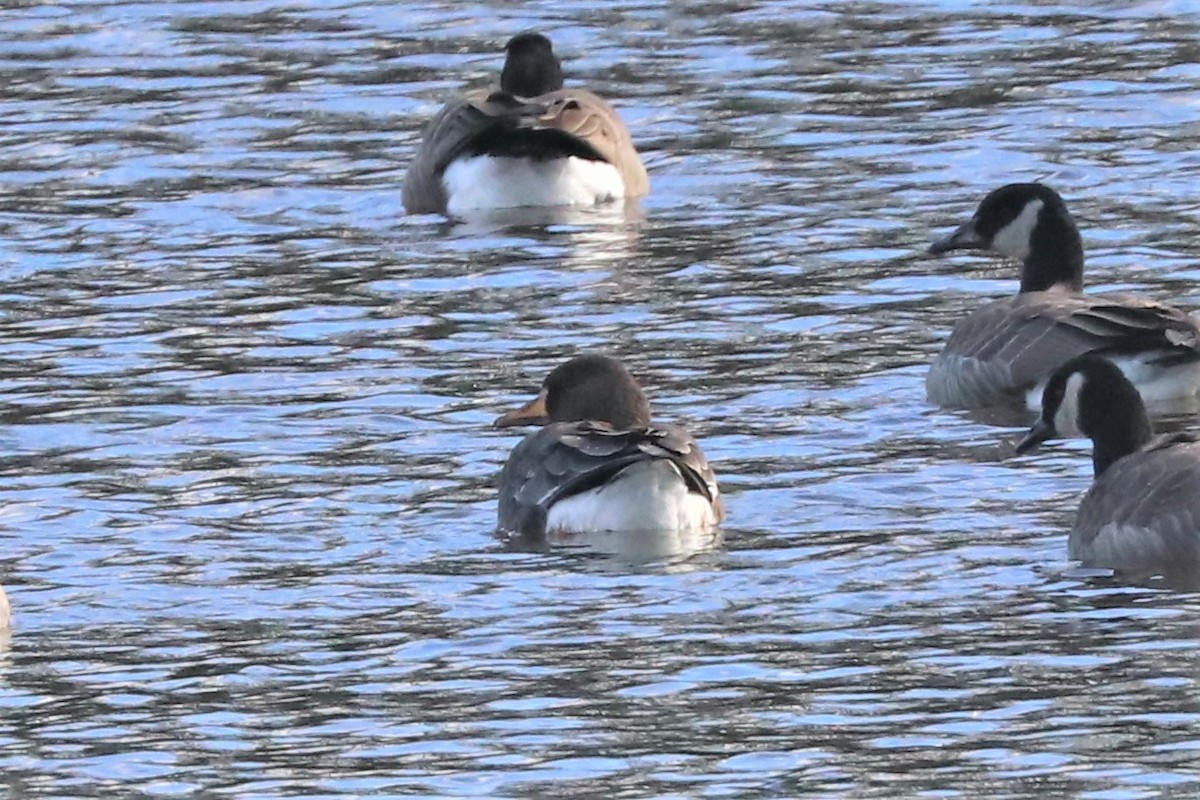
<point>248,499</point>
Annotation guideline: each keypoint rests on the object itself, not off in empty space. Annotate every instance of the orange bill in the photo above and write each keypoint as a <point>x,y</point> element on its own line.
<point>532,413</point>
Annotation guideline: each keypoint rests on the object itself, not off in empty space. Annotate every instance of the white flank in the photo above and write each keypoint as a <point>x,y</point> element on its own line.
<point>1013,239</point>
<point>646,496</point>
<point>480,183</point>
<point>1157,384</point>
<point>1033,397</point>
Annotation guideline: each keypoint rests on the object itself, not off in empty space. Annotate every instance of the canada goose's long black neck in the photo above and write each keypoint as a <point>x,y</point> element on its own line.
<point>1055,256</point>
<point>1105,453</point>
<point>1124,429</point>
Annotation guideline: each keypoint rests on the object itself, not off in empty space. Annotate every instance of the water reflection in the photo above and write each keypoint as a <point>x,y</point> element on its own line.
<point>248,468</point>
<point>1186,579</point>
<point>626,548</point>
<point>601,238</point>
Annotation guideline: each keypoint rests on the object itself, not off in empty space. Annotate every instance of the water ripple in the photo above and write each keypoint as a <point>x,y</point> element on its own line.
<point>246,522</point>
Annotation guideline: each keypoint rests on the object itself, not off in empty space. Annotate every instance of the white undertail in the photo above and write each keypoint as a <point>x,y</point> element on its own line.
<point>481,183</point>
<point>645,496</point>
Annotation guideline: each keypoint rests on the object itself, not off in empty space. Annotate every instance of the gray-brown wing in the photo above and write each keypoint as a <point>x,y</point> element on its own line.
<point>575,113</point>
<point>445,137</point>
<point>1010,345</point>
<point>675,443</point>
<point>588,118</point>
<point>567,458</point>
<point>1142,515</point>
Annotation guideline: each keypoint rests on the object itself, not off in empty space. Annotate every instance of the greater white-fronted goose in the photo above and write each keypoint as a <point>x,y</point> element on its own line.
<point>599,464</point>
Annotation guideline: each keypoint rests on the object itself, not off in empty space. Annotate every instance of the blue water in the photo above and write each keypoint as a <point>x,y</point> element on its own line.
<point>246,521</point>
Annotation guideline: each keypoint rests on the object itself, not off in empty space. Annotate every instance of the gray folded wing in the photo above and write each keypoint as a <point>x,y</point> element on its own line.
<point>445,137</point>
<point>576,113</point>
<point>1142,516</point>
<point>567,458</point>
<point>1008,346</point>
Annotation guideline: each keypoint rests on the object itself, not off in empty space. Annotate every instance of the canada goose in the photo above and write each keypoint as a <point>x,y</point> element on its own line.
<point>599,464</point>
<point>1142,513</point>
<point>1009,347</point>
<point>532,143</point>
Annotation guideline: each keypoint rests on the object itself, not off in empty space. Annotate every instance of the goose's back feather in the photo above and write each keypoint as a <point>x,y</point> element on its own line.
<point>567,459</point>
<point>1142,515</point>
<point>1010,345</point>
<point>571,121</point>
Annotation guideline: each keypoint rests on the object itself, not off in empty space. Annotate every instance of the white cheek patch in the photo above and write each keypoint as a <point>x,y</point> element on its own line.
<point>1013,239</point>
<point>1066,418</point>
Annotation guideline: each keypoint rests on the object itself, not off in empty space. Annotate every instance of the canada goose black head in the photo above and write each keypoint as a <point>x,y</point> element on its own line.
<point>587,388</point>
<point>1091,396</point>
<point>1029,222</point>
<point>530,68</point>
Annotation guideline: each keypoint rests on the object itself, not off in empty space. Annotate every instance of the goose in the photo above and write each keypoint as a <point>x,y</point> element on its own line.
<point>5,611</point>
<point>1009,347</point>
<point>532,143</point>
<point>598,463</point>
<point>1141,515</point>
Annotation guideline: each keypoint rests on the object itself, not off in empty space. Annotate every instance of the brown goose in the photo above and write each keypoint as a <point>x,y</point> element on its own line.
<point>1142,514</point>
<point>599,464</point>
<point>532,143</point>
<point>1009,347</point>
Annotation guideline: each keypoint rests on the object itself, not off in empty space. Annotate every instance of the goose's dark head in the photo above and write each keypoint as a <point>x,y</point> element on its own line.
<point>530,69</point>
<point>1088,395</point>
<point>592,387</point>
<point>1029,222</point>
